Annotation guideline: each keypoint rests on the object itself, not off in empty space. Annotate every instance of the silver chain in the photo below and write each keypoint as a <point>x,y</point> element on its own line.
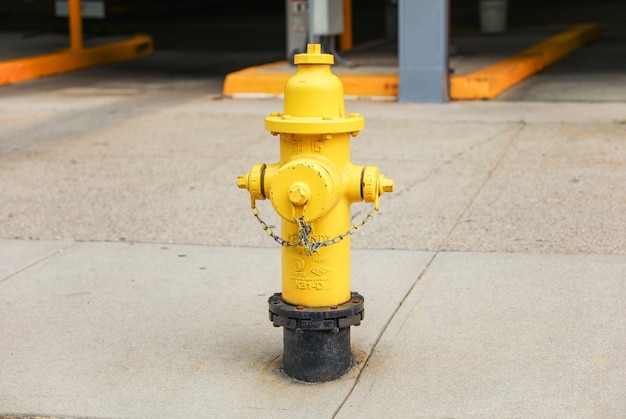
<point>305,231</point>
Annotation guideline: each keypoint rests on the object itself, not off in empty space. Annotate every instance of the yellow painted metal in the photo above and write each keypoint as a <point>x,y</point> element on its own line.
<point>252,181</point>
<point>316,184</point>
<point>314,102</point>
<point>374,184</point>
<point>315,181</point>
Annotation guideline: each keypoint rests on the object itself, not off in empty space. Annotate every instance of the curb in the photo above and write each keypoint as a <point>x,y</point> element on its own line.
<point>29,68</point>
<point>483,84</point>
<point>493,80</point>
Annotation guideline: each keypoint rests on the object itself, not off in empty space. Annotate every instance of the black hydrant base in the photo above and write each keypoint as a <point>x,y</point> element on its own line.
<point>316,339</point>
<point>316,356</point>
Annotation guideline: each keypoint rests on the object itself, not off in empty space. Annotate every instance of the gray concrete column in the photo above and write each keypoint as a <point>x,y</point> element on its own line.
<point>423,30</point>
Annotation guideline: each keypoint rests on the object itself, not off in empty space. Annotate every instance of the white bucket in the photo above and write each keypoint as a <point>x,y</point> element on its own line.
<point>493,16</point>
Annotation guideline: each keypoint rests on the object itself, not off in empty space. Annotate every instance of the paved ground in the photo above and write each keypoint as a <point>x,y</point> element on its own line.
<point>134,280</point>
<point>156,162</point>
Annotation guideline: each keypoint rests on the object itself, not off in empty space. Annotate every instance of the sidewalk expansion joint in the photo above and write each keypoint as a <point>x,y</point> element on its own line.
<point>511,142</point>
<point>37,262</point>
<point>489,175</point>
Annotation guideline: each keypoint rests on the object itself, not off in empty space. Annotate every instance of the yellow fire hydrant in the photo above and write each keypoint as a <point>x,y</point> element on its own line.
<point>312,188</point>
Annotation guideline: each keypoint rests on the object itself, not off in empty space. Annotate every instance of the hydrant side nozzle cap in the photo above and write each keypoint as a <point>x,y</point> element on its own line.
<point>314,56</point>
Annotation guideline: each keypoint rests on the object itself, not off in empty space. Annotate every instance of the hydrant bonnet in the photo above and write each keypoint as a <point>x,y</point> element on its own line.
<point>314,101</point>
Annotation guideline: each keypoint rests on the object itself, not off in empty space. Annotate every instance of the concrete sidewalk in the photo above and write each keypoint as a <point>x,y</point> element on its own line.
<point>147,330</point>
<point>134,280</point>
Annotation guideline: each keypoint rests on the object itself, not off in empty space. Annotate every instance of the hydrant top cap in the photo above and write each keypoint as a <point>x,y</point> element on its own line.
<point>314,56</point>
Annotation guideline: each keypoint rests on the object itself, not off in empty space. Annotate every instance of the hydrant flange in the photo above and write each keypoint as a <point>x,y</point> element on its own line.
<point>316,318</point>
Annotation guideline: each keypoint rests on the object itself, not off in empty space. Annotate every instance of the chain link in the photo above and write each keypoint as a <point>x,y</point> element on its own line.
<point>305,231</point>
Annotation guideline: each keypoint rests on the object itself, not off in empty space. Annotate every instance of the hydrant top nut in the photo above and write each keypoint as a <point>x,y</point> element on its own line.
<point>314,56</point>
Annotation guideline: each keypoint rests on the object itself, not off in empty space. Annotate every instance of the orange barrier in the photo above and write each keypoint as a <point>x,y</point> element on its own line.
<point>493,80</point>
<point>46,65</point>
<point>76,57</point>
<point>483,84</point>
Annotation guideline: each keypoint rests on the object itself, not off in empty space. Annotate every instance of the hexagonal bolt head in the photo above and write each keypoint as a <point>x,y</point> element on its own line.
<point>386,185</point>
<point>299,193</point>
<point>242,182</point>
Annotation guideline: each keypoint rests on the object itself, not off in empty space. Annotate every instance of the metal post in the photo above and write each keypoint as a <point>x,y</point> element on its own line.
<point>345,39</point>
<point>423,50</point>
<point>76,25</point>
